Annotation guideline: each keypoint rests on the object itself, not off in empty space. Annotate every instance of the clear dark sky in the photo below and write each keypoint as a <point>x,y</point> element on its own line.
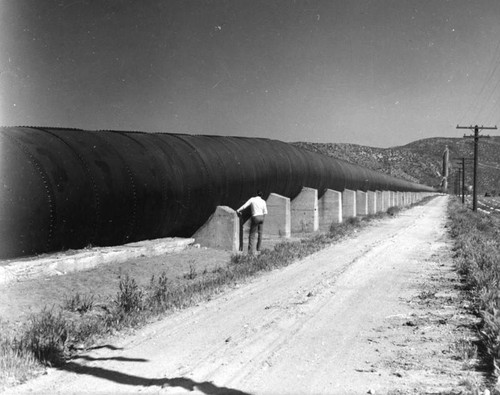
<point>379,73</point>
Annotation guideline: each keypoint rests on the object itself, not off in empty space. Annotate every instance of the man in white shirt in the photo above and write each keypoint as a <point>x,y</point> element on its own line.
<point>259,211</point>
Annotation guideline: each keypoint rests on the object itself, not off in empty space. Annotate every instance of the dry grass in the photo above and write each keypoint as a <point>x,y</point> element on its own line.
<point>52,335</point>
<point>17,364</point>
<point>477,253</point>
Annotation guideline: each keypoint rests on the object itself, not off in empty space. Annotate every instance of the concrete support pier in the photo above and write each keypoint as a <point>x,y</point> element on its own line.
<point>221,231</point>
<point>329,209</point>
<point>393,199</point>
<point>277,221</point>
<point>348,204</point>
<point>361,203</point>
<point>399,199</point>
<point>304,211</point>
<point>386,197</point>
<point>380,202</point>
<point>372,202</point>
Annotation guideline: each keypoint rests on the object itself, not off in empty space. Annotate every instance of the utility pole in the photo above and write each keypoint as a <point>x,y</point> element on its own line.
<point>461,162</point>
<point>463,180</point>
<point>476,144</point>
<point>458,182</point>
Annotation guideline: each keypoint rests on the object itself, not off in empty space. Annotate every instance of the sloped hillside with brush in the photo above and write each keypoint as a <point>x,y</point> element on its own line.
<point>422,160</point>
<point>398,162</point>
<point>489,159</point>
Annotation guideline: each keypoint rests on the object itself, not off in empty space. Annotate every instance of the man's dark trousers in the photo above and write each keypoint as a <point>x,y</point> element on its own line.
<point>256,226</point>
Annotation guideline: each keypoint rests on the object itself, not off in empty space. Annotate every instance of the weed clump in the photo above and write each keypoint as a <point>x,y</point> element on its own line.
<point>45,337</point>
<point>191,275</point>
<point>477,251</point>
<point>158,295</point>
<point>129,298</point>
<point>79,303</point>
<point>17,363</point>
<point>393,211</point>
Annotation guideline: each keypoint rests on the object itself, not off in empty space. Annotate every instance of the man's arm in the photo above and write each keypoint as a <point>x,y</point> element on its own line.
<point>244,206</point>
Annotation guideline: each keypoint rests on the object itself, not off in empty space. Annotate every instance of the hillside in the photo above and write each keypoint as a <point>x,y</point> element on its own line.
<point>421,160</point>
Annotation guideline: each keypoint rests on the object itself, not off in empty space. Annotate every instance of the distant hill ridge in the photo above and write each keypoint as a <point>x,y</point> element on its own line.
<point>421,160</point>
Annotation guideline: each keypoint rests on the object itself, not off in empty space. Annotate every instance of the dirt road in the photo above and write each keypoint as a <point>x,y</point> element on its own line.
<point>378,313</point>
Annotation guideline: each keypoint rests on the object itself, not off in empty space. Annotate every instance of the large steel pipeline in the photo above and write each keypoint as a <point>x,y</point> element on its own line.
<point>70,188</point>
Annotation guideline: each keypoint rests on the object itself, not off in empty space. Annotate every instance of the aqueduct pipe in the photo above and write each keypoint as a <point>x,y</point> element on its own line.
<point>70,188</point>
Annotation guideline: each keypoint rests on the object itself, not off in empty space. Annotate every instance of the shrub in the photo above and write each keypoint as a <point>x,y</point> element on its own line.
<point>129,298</point>
<point>46,336</point>
<point>158,292</point>
<point>17,364</point>
<point>78,303</point>
<point>88,328</point>
<point>392,211</point>
<point>191,275</point>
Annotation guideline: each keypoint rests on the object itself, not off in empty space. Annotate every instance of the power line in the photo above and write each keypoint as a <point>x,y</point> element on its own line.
<point>490,95</point>
<point>494,63</point>
<point>493,67</point>
<point>489,166</point>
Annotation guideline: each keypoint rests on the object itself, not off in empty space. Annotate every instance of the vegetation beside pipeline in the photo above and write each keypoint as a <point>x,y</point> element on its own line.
<point>53,336</point>
<point>476,238</point>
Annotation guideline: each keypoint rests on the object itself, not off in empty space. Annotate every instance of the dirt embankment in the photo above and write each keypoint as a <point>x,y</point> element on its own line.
<point>381,313</point>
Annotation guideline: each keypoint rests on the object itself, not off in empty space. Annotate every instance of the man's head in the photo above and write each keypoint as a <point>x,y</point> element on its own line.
<point>259,193</point>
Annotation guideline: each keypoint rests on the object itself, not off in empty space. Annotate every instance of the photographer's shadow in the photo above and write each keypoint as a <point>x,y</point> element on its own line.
<point>205,387</point>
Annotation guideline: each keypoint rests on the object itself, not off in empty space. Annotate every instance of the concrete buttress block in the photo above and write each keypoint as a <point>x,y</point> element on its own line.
<point>372,202</point>
<point>304,211</point>
<point>329,209</point>
<point>406,198</point>
<point>221,231</point>
<point>392,198</point>
<point>386,197</point>
<point>361,203</point>
<point>277,222</point>
<point>348,204</point>
<point>380,202</point>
